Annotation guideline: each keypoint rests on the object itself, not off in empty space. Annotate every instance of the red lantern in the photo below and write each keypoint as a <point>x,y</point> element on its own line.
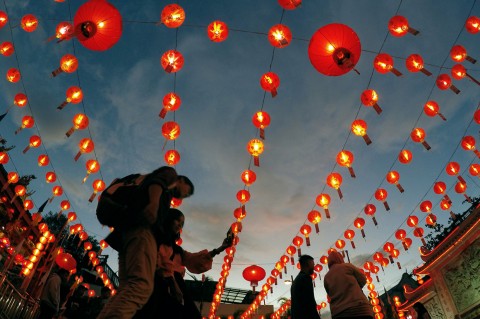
<point>71,216</point>
<point>20,100</point>
<point>171,103</point>
<point>74,95</point>
<point>370,98</point>
<point>350,234</point>
<point>240,213</point>
<point>63,31</point>
<point>217,31</point>
<point>80,122</point>
<point>13,75</point>
<point>3,19</point>
<point>383,63</point>
<point>459,72</point>
<point>446,205</point>
<point>431,108</point>
<point>381,195</point>
<point>440,188</point>
<point>444,82</point>
<point>476,116</point>
<point>405,157</point>
<point>418,136</point>
<point>334,180</point>
<point>458,53</point>
<point>68,64</point>
<point>6,48</point>
<point>261,120</point>
<point>306,230</point>
<point>393,177</point>
<point>412,221</point>
<point>175,202</point>
<point>370,210</point>
<point>92,167</point>
<point>345,158</point>
<point>468,144</point>
<point>255,148</point>
<point>243,196</point>
<point>431,220</point>
<point>172,61</point>
<point>401,235</point>
<point>460,188</point>
<point>172,157</point>
<point>472,25</point>
<point>359,223</point>
<point>289,4</point>
<point>50,177</point>
<point>172,16</point>
<point>65,261</point>
<point>323,200</point>
<point>315,217</point>
<point>291,250</point>
<point>98,25</point>
<point>85,145</point>
<point>35,141</point>
<point>452,169</point>
<point>29,23</point>
<point>270,83</point>
<point>334,49</point>
<point>248,177</point>
<point>4,158</point>
<point>171,130</point>
<point>398,27</point>
<point>98,186</point>
<point>279,36</point>
<point>254,274</point>
<point>426,206</point>
<point>359,128</point>
<point>474,169</point>
<point>27,122</point>
<point>28,204</point>
<point>298,242</point>
<point>414,63</point>
<point>43,160</point>
<point>56,191</point>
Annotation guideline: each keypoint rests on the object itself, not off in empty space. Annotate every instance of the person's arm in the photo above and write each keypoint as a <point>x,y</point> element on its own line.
<point>150,212</point>
<point>225,244</point>
<point>361,278</point>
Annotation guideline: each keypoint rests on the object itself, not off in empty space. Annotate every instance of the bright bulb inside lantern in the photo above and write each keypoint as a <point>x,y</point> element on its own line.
<point>101,24</point>
<point>330,48</point>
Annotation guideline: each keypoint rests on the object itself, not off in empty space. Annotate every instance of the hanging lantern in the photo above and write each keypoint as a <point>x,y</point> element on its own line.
<point>172,61</point>
<point>261,120</point>
<point>370,210</point>
<point>71,217</point>
<point>171,130</point>
<point>171,103</point>
<point>431,108</point>
<point>80,122</point>
<point>426,206</point>
<point>20,100</point>
<point>28,204</point>
<point>6,48</point>
<point>35,141</point>
<point>460,188</point>
<point>27,122</point>
<point>4,158</point>
<point>98,25</point>
<point>43,160</point>
<point>340,244</point>
<point>459,72</point>
<point>398,27</point>
<point>103,244</point>
<point>472,25</point>
<point>306,230</point>
<point>63,31</point>
<point>20,191</point>
<point>359,128</point>
<point>56,191</point>
<point>92,167</point>
<point>172,16</point>
<point>414,63</point>
<point>50,177</point>
<point>270,83</point>
<point>29,23</point>
<point>405,156</point>
<point>3,19</point>
<point>68,64</point>
<point>13,75</point>
<point>474,169</point>
<point>243,196</point>
<point>418,136</point>
<point>431,220</point>
<point>279,36</point>
<point>334,180</point>
<point>440,189</point>
<point>289,4</point>
<point>393,177</point>
<point>446,205</point>
<point>359,223</point>
<point>217,31</point>
<point>86,145</point>
<point>350,234</point>
<point>291,250</point>
<point>401,235</point>
<point>476,116</point>
<point>172,157</point>
<point>345,158</point>
<point>74,95</point>
<point>468,144</point>
<point>240,213</point>
<point>12,178</point>
<point>248,177</point>
<point>323,200</point>
<point>381,195</point>
<point>418,232</point>
<point>98,186</point>
<point>65,261</point>
<point>298,242</point>
<point>254,274</point>
<point>175,202</point>
<point>255,148</point>
<point>412,221</point>
<point>444,82</point>
<point>315,217</point>
<point>388,247</point>
<point>458,53</point>
<point>452,169</point>
<point>383,64</point>
<point>334,49</point>
<point>370,98</point>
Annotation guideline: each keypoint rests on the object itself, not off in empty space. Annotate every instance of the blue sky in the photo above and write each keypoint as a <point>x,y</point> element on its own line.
<point>219,86</point>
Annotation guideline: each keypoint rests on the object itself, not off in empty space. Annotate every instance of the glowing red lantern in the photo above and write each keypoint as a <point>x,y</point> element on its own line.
<point>172,61</point>
<point>431,220</point>
<point>323,200</point>
<point>172,16</point>
<point>446,205</point>
<point>71,216</point>
<point>459,72</point>
<point>405,156</point>
<point>255,148</point>
<point>3,19</point>
<point>431,108</point>
<point>440,188</point>
<point>279,36</point>
<point>270,83</point>
<point>217,31</point>
<point>248,177</point>
<point>476,116</point>
<point>20,100</point>
<point>412,221</point>
<point>345,158</point>
<point>50,177</point>
<point>6,48</point>
<point>291,250</point>
<point>43,160</point>
<point>468,144</point>
<point>460,188</point>
<point>289,4</point>
<point>474,169</point>
<point>315,217</point>
<point>472,25</point>
<point>359,127</point>
<point>340,244</point>
<point>306,230</point>
<point>171,130</point>
<point>172,157</point>
<point>65,261</point>
<point>20,190</point>
<point>13,75</point>
<point>444,82</point>
<point>243,196</point>
<point>298,242</point>
<point>334,180</point>
<point>27,122</point>
<point>334,49</point>
<point>381,195</point>
<point>350,234</point>
<point>98,25</point>
<point>426,206</point>
<point>359,223</point>
<point>4,158</point>
<point>74,95</point>
<point>171,103</point>
<point>80,122</point>
<point>63,31</point>
<point>56,191</point>
<point>92,166</point>
<point>370,98</point>
<point>398,26</point>
<point>414,63</point>
<point>418,136</point>
<point>261,120</point>
<point>175,202</point>
<point>452,169</point>
<point>383,64</point>
<point>240,213</point>
<point>68,64</point>
<point>28,204</point>
<point>458,53</point>
<point>35,141</point>
<point>85,145</point>
<point>370,210</point>
<point>29,23</point>
<point>254,274</point>
<point>393,177</point>
<point>98,186</point>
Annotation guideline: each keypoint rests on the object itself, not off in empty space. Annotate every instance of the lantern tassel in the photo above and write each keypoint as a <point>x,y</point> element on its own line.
<point>396,72</point>
<point>86,177</point>
<point>460,178</point>
<point>426,72</point>
<point>13,198</point>
<point>454,89</point>
<point>163,113</point>
<point>274,92</point>
<point>377,108</point>
<point>467,198</point>
<point>398,265</point>
<point>405,245</point>
<point>353,244</point>
<point>391,259</point>
<point>256,161</point>
<point>442,117</point>
<point>169,69</point>
<point>352,172</point>
<point>470,59</point>
<point>340,194</point>
<point>473,79</point>
<point>374,221</point>
<point>363,232</point>
<point>19,130</point>
<point>51,199</point>
<point>77,156</point>
<point>61,106</point>
<point>400,188</point>
<point>56,72</point>
<point>367,139</point>
<point>327,213</point>
<point>292,260</point>
<point>447,198</point>
<point>59,213</point>
<point>477,153</point>
<point>26,149</point>
<point>299,251</point>
<point>307,239</point>
<point>262,133</point>
<point>453,215</point>
<point>70,131</point>
<point>424,243</point>
<point>385,204</point>
<point>317,229</point>
<point>413,31</point>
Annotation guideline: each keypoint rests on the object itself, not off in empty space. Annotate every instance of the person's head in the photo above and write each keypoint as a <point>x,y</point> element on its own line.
<point>307,264</point>
<point>184,187</point>
<point>334,257</point>
<point>173,222</point>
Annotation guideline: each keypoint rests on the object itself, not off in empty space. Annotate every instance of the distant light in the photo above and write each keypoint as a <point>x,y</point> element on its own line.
<point>288,282</point>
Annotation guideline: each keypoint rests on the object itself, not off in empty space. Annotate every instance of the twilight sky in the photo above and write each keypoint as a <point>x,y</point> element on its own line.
<point>219,86</point>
